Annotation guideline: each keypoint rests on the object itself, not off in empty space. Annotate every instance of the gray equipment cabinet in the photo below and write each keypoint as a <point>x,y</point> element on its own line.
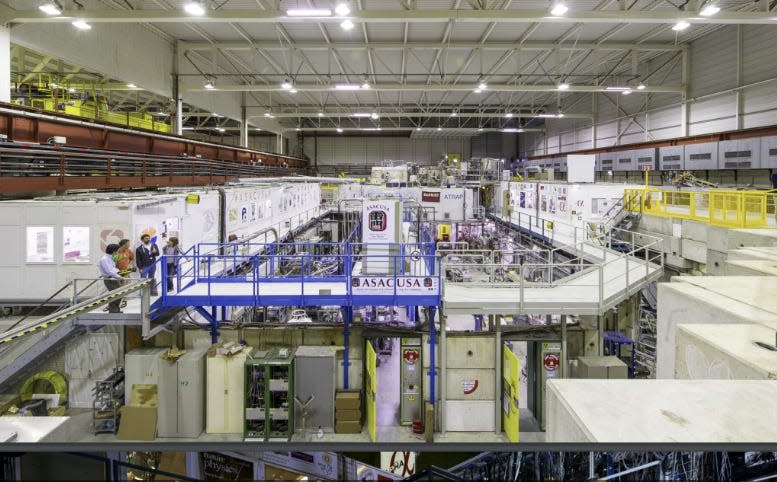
<point>181,395</point>
<point>314,374</point>
<point>141,368</point>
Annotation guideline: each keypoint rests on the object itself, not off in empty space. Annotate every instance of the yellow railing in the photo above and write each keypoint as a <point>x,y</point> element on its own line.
<point>718,207</point>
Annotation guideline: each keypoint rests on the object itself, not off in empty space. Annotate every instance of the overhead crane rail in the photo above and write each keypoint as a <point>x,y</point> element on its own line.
<point>27,168</point>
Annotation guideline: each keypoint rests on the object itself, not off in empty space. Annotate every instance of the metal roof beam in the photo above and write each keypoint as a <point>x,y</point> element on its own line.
<point>417,88</point>
<point>396,16</point>
<point>444,115</point>
<point>454,45</point>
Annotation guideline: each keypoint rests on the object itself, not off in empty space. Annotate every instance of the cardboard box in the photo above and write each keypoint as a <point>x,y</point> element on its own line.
<point>348,400</point>
<point>348,415</point>
<point>601,367</point>
<point>348,427</point>
<point>137,423</point>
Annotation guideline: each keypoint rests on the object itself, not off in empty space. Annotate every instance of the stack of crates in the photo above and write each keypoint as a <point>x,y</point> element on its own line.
<point>348,413</point>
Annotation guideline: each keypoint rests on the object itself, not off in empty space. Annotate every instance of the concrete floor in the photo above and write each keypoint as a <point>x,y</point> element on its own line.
<point>77,429</point>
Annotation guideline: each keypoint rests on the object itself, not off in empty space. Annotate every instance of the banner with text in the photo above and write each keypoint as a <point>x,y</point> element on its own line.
<point>385,285</point>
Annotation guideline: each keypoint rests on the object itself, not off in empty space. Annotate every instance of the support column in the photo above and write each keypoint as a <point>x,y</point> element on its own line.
<point>5,64</point>
<point>347,320</point>
<point>564,356</point>
<point>740,78</point>
<point>431,311</point>
<point>685,114</point>
<point>443,365</point>
<point>177,97</point>
<point>243,124</point>
<point>279,143</point>
<point>497,326</point>
<point>600,329</point>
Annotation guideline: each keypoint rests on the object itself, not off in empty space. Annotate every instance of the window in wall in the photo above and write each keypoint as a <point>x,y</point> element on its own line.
<point>40,244</point>
<point>75,244</point>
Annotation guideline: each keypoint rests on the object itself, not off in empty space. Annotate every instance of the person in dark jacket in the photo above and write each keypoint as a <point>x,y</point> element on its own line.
<point>145,258</point>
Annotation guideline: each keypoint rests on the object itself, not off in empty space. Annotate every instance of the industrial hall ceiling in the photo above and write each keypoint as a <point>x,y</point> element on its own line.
<point>429,67</point>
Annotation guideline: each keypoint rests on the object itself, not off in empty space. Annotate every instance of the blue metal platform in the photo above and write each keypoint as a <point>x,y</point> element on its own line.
<point>304,274</point>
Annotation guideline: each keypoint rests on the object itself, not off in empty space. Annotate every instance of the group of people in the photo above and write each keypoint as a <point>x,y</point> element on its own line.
<point>119,262</point>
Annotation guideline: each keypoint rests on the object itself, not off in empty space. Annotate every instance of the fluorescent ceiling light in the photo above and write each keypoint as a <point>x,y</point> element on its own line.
<point>374,116</point>
<point>309,12</point>
<point>512,130</point>
<point>257,129</point>
<point>347,87</point>
<point>286,84</point>
<point>418,128</point>
<point>439,128</point>
<point>546,115</point>
<point>509,114</point>
<point>220,129</point>
<point>370,129</point>
<point>340,130</point>
<point>209,85</point>
<point>627,92</point>
<point>617,88</point>
<point>321,114</point>
<point>361,114</point>
<point>681,25</point>
<point>454,114</point>
<point>132,86</point>
<point>482,85</point>
<point>559,9</point>
<point>563,86</point>
<point>478,90</point>
<point>194,8</point>
<point>365,85</point>
<point>709,10</point>
<point>50,8</point>
<point>346,24</point>
<point>268,114</point>
<point>81,25</point>
<point>480,129</point>
<point>641,86</point>
<point>342,9</point>
<point>292,91</point>
<point>215,115</point>
<point>560,114</point>
<point>297,129</point>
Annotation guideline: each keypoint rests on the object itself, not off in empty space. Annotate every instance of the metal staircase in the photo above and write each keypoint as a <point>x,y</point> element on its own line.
<point>645,333</point>
<point>689,180</point>
<point>24,344</point>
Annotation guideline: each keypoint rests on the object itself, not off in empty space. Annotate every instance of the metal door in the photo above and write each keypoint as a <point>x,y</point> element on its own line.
<point>411,399</point>
<point>370,388</point>
<point>511,373</point>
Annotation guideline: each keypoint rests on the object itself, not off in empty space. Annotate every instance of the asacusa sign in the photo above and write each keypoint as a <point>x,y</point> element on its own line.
<point>378,219</point>
<point>385,285</point>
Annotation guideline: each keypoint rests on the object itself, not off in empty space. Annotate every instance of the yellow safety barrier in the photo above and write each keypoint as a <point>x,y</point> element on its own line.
<point>717,207</point>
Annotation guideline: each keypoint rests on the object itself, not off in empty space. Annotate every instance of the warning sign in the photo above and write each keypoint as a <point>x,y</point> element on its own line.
<point>551,362</point>
<point>411,356</point>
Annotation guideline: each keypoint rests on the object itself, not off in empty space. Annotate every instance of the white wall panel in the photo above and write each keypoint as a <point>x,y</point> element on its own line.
<point>759,61</point>
<point>712,62</point>
<point>374,150</point>
<point>713,115</point>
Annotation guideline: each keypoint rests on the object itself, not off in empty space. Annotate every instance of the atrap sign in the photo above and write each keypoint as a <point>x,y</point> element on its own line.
<point>385,285</point>
<point>430,197</point>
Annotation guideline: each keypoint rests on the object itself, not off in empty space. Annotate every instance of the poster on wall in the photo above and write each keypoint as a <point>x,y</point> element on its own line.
<point>75,244</point>
<point>40,244</point>
<point>562,199</point>
<point>530,195</point>
<point>216,466</point>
